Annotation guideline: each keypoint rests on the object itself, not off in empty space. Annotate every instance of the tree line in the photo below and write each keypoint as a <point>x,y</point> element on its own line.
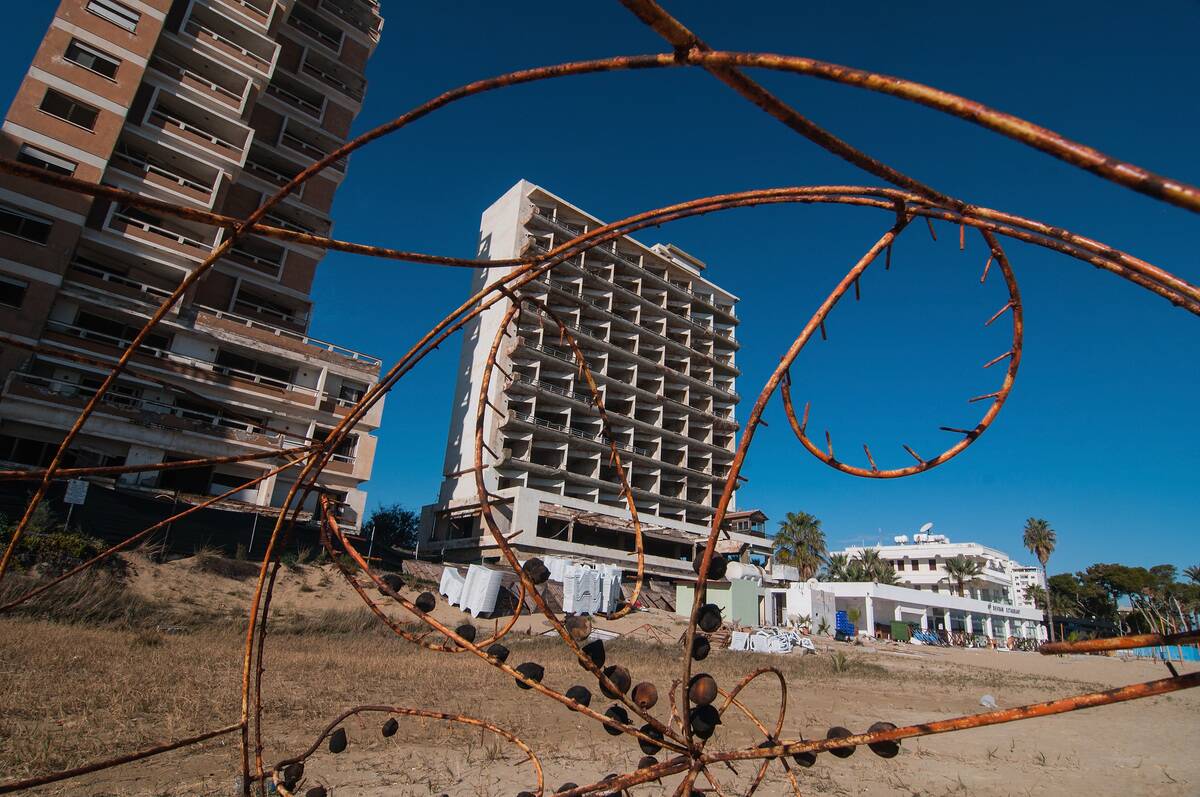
<point>1158,600</point>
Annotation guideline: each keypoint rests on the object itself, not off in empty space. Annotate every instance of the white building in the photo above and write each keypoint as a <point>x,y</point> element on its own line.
<point>879,605</point>
<point>659,339</point>
<point>920,564</point>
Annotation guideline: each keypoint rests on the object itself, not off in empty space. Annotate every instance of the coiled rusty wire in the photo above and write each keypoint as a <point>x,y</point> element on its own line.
<point>905,201</point>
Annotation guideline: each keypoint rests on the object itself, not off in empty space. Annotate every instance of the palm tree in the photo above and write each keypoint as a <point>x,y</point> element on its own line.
<point>1036,594</point>
<point>1040,539</point>
<point>961,569</point>
<point>837,567</point>
<point>872,567</point>
<point>800,542</point>
<point>1193,573</point>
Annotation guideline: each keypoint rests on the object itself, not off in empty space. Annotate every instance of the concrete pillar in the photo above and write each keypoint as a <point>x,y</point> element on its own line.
<point>924,621</point>
<point>1007,628</point>
<point>946,616</point>
<point>142,455</point>
<point>899,617</point>
<point>969,624</point>
<point>266,488</point>
<point>869,617</point>
<point>987,627</point>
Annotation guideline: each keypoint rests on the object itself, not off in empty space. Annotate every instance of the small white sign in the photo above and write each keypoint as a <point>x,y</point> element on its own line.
<point>76,491</point>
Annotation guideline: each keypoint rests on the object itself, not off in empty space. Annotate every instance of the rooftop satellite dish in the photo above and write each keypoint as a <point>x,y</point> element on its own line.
<point>925,529</point>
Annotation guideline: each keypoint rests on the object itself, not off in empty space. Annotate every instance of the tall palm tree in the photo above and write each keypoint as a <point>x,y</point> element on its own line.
<point>961,569</point>
<point>837,567</point>
<point>1040,539</point>
<point>1036,594</point>
<point>1193,573</point>
<point>873,567</point>
<point>800,542</point>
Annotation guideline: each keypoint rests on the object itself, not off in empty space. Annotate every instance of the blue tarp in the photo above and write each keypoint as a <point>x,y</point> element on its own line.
<point>1190,652</point>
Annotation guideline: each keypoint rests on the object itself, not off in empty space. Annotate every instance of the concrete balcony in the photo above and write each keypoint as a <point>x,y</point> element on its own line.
<point>299,140</point>
<point>205,371</point>
<point>207,137</point>
<point>154,173</point>
<point>89,276</point>
<point>330,73</point>
<point>257,12</point>
<point>174,239</point>
<point>218,32</point>
<point>363,17</point>
<point>290,340</point>
<point>224,87</point>
<point>141,412</point>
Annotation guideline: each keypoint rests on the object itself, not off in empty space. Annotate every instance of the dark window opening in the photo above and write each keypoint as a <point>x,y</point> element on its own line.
<point>92,59</point>
<point>58,104</point>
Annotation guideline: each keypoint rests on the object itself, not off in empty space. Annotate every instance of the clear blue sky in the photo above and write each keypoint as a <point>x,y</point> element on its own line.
<point>1100,434</point>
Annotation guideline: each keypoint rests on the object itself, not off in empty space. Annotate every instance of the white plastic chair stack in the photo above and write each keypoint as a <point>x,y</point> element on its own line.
<point>610,588</point>
<point>739,640</point>
<point>452,585</point>
<point>581,590</point>
<point>480,590</point>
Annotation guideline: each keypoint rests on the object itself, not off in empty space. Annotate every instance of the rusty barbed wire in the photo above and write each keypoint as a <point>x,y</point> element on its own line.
<point>693,720</point>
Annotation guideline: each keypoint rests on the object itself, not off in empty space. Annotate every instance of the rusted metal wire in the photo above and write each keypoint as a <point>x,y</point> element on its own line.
<point>909,200</point>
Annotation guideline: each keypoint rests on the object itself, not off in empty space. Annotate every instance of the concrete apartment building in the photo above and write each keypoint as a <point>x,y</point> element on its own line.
<point>921,564</point>
<point>660,340</point>
<point>209,103</point>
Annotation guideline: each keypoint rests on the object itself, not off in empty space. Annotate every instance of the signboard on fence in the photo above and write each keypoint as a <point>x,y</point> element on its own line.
<point>76,492</point>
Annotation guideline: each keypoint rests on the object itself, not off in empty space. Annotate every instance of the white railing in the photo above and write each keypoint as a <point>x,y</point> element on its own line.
<point>272,176</point>
<point>311,150</point>
<point>345,15</point>
<point>294,99</point>
<point>315,33</point>
<point>67,388</point>
<point>205,365</point>
<point>297,336</point>
<point>167,118</point>
<point>118,279</point>
<point>553,388</point>
<point>275,266</point>
<point>146,226</point>
<point>146,167</point>
<point>178,71</point>
<point>195,28</point>
<point>558,427</point>
<point>333,80</point>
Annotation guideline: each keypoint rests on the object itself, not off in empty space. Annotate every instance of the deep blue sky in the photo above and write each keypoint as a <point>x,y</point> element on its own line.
<point>1100,434</point>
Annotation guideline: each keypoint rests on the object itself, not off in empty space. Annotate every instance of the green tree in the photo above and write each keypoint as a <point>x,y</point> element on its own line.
<point>392,526</point>
<point>1193,573</point>
<point>961,569</point>
<point>1037,594</point>
<point>873,567</point>
<point>837,568</point>
<point>800,542</point>
<point>1040,539</point>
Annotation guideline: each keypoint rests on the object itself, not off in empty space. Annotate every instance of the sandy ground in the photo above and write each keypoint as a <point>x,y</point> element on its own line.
<point>71,695</point>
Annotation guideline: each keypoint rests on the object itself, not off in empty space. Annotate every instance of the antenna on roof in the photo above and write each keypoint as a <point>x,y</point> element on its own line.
<point>926,528</point>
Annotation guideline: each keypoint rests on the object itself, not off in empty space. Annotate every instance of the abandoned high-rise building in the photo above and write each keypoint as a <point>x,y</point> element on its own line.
<point>659,338</point>
<point>209,103</point>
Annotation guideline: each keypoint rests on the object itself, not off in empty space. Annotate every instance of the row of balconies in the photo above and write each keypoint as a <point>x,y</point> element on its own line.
<point>703,325</point>
<point>663,335</point>
<point>613,252</point>
<point>642,471</point>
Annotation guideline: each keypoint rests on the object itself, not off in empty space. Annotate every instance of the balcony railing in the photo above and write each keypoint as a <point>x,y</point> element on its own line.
<point>343,14</point>
<point>311,150</point>
<point>582,435</point>
<point>267,173</point>
<point>181,73</point>
<point>201,31</point>
<point>543,385</point>
<point>294,99</point>
<point>124,282</point>
<point>263,264</point>
<point>353,92</point>
<point>162,232</point>
<point>146,167</point>
<point>297,336</point>
<point>62,387</point>
<point>313,32</point>
<point>234,151</point>
<point>193,362</point>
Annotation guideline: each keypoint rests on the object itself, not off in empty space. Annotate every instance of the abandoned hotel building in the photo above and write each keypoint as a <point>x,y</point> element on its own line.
<point>209,103</point>
<point>659,340</point>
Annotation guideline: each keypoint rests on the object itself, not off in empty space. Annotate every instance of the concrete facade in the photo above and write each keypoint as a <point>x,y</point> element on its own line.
<point>921,565</point>
<point>660,340</point>
<point>209,103</point>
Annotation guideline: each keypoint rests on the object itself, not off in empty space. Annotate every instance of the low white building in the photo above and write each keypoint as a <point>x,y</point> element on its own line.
<point>879,605</point>
<point>920,564</point>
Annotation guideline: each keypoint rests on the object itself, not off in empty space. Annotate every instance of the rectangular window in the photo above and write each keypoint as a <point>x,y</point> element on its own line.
<point>45,160</point>
<point>12,292</point>
<point>20,224</point>
<point>58,104</point>
<point>92,59</point>
<point>932,565</point>
<point>118,14</point>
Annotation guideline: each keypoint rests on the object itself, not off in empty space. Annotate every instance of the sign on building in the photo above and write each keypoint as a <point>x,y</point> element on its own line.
<point>76,492</point>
